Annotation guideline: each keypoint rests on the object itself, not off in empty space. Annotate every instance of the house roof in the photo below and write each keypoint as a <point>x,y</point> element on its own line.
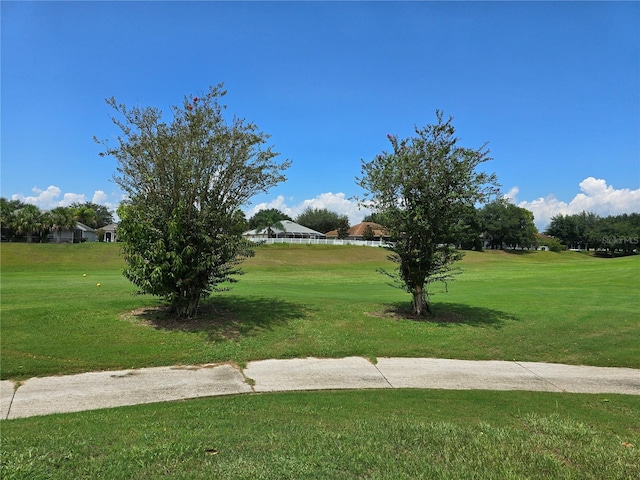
<point>359,229</point>
<point>82,226</point>
<point>291,228</point>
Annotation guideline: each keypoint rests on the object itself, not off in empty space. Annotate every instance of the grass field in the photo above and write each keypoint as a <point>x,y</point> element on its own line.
<point>324,301</point>
<point>402,434</point>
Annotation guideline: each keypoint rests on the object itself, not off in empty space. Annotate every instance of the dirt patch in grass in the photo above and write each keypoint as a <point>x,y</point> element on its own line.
<point>216,321</point>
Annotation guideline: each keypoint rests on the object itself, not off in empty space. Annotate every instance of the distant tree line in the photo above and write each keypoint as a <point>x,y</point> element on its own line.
<point>588,231</point>
<point>25,222</point>
<point>497,225</point>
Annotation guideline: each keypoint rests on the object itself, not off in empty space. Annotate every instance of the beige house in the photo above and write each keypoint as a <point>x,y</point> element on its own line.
<point>362,230</point>
<point>110,232</point>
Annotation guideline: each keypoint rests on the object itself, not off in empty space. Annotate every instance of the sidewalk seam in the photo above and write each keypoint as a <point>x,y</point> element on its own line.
<point>383,376</point>
<point>540,377</point>
<point>13,396</point>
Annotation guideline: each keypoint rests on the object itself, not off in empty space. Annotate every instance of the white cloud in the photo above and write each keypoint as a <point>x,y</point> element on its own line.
<point>335,202</point>
<point>596,197</point>
<point>99,197</point>
<point>70,198</point>
<point>44,199</point>
<point>53,197</point>
<point>511,194</point>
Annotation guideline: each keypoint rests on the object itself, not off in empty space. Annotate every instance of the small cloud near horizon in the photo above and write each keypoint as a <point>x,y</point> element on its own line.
<point>334,202</point>
<point>596,197</point>
<point>51,198</point>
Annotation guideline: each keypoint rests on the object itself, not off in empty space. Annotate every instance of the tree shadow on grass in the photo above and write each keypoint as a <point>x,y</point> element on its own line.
<point>448,314</point>
<point>224,318</point>
<point>519,252</point>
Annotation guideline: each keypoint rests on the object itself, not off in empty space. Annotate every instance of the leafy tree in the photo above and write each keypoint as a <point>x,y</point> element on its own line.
<point>506,224</point>
<point>269,217</point>
<point>343,227</point>
<point>375,217</point>
<point>467,231</point>
<point>186,179</point>
<point>27,221</point>
<point>7,210</point>
<point>577,231</point>
<point>564,228</point>
<point>422,187</point>
<point>320,219</point>
<point>86,215</point>
<point>101,215</point>
<point>270,220</point>
<point>60,219</point>
<point>551,242</point>
<point>367,233</point>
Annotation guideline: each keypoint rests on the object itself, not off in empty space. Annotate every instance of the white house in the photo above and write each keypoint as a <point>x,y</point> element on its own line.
<point>290,230</point>
<point>82,233</point>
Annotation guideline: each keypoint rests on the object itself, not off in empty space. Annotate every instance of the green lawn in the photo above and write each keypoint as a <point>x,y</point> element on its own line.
<point>401,434</point>
<point>324,301</point>
<point>299,301</point>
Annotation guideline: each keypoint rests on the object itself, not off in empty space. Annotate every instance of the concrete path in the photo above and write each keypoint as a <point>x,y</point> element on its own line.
<point>88,391</point>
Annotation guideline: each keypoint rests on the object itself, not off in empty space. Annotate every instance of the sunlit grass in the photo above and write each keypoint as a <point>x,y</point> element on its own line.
<point>325,301</point>
<point>401,434</point>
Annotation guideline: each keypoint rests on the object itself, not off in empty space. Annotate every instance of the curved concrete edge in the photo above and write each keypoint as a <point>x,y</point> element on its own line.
<point>95,390</point>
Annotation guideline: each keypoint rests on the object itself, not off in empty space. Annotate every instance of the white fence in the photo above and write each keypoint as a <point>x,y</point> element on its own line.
<point>319,241</point>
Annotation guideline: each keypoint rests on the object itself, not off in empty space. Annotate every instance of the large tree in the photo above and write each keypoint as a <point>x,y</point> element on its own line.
<point>7,218</point>
<point>321,219</point>
<point>60,219</point>
<point>86,215</point>
<point>422,187</point>
<point>28,220</point>
<point>186,177</point>
<point>270,220</point>
<point>96,215</point>
<point>505,224</point>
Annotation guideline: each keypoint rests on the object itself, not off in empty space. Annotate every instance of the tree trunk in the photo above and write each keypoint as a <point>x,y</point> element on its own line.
<point>420,304</point>
<point>185,306</point>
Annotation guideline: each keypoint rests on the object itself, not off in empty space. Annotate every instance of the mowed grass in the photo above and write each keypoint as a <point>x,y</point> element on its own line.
<point>401,434</point>
<point>379,434</point>
<point>323,301</point>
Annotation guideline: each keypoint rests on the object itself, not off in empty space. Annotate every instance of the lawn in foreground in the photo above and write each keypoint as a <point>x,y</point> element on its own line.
<point>323,301</point>
<point>341,434</point>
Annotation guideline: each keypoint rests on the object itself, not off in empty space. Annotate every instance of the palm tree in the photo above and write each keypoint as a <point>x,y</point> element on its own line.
<point>86,215</point>
<point>60,219</point>
<point>7,212</point>
<point>27,220</point>
<point>270,221</point>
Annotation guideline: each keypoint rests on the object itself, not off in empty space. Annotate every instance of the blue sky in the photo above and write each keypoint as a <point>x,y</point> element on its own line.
<point>553,87</point>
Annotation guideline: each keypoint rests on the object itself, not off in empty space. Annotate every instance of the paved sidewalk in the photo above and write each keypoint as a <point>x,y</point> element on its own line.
<point>89,391</point>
